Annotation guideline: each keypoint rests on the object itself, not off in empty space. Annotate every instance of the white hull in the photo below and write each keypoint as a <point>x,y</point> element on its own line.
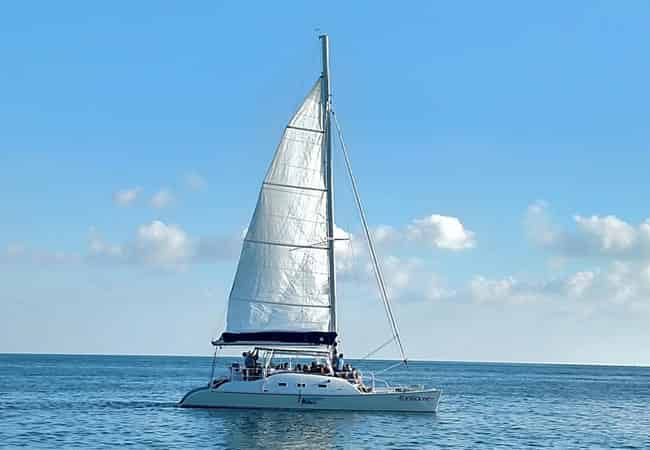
<point>339,395</point>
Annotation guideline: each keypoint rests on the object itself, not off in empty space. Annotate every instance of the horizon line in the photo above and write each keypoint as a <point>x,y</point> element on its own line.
<point>453,361</point>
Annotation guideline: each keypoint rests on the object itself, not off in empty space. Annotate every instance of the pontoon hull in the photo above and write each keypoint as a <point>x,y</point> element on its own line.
<point>414,401</point>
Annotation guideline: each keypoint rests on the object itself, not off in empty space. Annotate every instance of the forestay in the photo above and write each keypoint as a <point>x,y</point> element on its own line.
<point>280,292</point>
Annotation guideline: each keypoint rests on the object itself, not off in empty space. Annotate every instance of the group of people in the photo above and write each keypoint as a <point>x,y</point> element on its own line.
<point>341,369</point>
<point>337,366</point>
<point>314,367</point>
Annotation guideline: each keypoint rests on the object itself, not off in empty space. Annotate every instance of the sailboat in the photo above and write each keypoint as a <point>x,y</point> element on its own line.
<point>283,299</point>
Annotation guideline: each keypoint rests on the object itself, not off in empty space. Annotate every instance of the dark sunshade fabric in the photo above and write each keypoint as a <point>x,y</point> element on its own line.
<point>288,337</point>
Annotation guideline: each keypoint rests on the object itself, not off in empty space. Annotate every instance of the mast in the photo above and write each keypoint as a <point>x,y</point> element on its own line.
<point>329,179</point>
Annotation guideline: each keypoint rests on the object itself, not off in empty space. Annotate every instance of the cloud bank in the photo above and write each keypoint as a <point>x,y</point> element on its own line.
<point>162,246</point>
<point>593,236</point>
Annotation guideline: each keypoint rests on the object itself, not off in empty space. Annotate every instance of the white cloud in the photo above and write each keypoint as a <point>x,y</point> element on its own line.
<point>161,199</point>
<point>349,254</point>
<point>580,283</point>
<point>619,285</point>
<point>407,279</point>
<point>195,181</point>
<point>162,246</point>
<point>399,273</point>
<point>437,231</point>
<point>383,234</point>
<point>505,290</point>
<point>607,234</point>
<point>126,197</point>
<point>594,236</point>
<point>436,290</point>
<point>441,232</point>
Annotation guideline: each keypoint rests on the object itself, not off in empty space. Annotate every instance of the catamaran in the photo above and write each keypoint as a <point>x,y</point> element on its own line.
<point>283,299</point>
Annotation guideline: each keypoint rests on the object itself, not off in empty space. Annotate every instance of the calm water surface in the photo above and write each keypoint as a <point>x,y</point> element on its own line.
<point>54,401</point>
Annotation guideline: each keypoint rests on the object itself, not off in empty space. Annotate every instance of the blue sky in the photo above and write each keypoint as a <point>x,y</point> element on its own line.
<point>526,124</point>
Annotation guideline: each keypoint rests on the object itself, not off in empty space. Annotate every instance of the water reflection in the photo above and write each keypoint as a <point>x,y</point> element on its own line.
<point>252,429</point>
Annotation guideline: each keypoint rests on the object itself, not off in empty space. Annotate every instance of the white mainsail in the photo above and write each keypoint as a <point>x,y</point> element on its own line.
<point>282,280</point>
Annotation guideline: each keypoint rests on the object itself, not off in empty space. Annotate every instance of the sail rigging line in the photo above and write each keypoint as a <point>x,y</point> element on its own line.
<point>392,338</point>
<point>214,361</point>
<point>377,268</point>
<point>391,367</point>
<point>371,246</point>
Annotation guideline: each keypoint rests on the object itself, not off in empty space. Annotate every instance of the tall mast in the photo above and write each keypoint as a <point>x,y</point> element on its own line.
<point>329,182</point>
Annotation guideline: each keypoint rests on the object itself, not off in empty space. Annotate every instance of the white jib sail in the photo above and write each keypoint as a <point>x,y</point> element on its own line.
<point>281,282</point>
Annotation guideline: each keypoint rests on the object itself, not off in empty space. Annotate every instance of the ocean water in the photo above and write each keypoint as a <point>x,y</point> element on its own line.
<point>57,401</point>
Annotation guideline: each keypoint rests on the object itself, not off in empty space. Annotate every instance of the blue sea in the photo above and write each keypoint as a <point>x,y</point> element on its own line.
<point>89,402</point>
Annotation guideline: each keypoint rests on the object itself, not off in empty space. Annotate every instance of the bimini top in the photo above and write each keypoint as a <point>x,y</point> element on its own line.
<point>300,338</point>
<point>281,291</point>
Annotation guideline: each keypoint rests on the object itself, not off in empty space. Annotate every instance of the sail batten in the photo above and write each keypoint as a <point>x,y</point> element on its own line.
<point>293,186</point>
<point>304,305</point>
<point>286,244</point>
<point>282,281</point>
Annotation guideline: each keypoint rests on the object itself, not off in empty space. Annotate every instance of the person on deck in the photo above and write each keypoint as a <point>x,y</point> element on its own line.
<point>333,354</point>
<point>340,363</point>
<point>249,363</point>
